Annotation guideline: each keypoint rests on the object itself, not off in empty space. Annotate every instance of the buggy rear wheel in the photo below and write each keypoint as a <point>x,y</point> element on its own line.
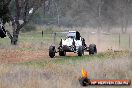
<point>80,51</point>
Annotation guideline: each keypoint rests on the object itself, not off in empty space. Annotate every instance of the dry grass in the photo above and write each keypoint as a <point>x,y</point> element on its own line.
<point>55,75</point>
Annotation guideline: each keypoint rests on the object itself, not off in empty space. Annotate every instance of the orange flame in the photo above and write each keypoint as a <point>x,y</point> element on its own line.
<point>84,73</point>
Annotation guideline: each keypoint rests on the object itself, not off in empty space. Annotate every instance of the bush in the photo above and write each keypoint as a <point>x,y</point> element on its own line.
<point>28,28</point>
<point>49,30</point>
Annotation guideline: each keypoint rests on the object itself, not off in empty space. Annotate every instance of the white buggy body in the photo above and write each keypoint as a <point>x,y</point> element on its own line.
<point>69,42</point>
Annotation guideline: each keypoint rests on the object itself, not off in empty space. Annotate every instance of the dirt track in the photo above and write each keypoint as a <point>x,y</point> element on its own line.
<point>7,56</point>
<point>12,56</point>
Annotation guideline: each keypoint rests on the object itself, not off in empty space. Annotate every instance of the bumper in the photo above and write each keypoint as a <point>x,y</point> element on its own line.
<point>68,48</point>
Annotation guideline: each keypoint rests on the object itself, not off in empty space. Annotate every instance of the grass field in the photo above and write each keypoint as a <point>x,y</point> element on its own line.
<point>28,65</point>
<point>63,72</point>
<point>35,40</point>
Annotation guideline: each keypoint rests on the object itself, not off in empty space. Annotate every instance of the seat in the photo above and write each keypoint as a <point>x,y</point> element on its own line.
<point>77,35</point>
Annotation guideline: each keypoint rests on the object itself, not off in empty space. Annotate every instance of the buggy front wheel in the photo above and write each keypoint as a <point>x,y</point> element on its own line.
<point>52,51</point>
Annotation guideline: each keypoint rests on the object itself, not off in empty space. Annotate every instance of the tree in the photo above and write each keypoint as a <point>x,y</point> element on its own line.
<point>124,17</point>
<point>4,10</point>
<point>21,10</point>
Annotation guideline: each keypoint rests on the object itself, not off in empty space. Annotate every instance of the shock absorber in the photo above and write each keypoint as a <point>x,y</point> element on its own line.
<point>74,46</point>
<point>60,45</point>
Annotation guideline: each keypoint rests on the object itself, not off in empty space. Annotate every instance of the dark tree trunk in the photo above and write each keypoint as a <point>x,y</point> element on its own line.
<point>14,39</point>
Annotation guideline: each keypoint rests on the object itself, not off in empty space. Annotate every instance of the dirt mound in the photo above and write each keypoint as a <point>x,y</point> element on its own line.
<point>71,54</point>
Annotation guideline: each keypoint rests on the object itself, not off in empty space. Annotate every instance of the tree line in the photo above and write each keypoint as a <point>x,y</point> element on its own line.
<point>93,13</point>
<point>69,13</point>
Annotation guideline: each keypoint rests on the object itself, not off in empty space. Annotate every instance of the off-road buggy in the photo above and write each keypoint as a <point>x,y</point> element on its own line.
<point>73,43</point>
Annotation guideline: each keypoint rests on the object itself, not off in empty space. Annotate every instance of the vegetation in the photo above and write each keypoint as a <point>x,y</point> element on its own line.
<point>29,28</point>
<point>103,14</point>
<point>99,14</point>
<point>65,70</point>
<point>75,60</point>
<point>4,11</point>
<point>16,11</point>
